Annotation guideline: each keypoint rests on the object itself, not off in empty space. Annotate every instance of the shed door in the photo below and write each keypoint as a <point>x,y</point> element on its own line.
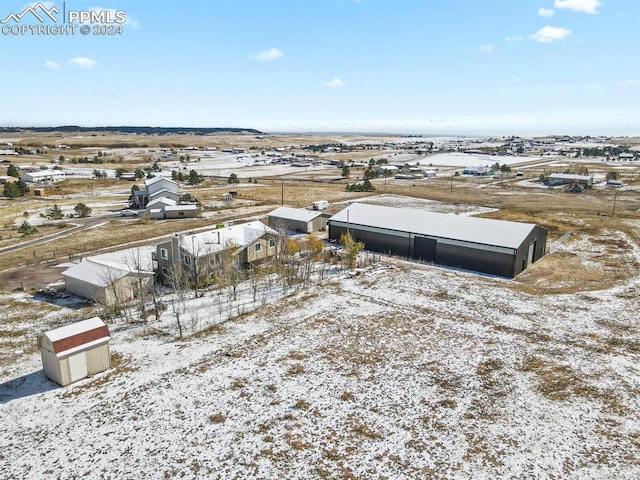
<point>424,249</point>
<point>77,366</point>
<point>532,250</point>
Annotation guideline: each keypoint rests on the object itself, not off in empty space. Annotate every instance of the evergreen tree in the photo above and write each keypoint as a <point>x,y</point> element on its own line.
<point>82,210</point>
<point>11,190</point>
<point>26,229</point>
<point>24,189</point>
<point>12,171</point>
<point>194,177</point>
<point>54,213</point>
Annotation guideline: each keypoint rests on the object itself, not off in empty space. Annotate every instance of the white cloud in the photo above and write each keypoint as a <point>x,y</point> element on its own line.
<point>51,65</point>
<point>130,22</point>
<point>515,38</point>
<point>586,6</point>
<point>488,48</point>
<point>626,83</point>
<point>269,55</point>
<point>83,62</point>
<point>550,34</point>
<point>546,12</point>
<point>335,83</point>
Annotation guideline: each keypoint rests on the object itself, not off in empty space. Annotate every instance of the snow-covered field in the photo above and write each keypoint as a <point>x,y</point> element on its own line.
<point>402,371</point>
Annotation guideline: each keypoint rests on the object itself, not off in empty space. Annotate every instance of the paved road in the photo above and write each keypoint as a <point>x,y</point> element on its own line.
<point>87,223</point>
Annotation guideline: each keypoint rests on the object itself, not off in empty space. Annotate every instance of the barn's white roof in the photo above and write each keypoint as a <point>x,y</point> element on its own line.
<point>484,231</point>
<point>570,176</point>
<point>241,235</point>
<point>74,329</point>
<point>296,214</point>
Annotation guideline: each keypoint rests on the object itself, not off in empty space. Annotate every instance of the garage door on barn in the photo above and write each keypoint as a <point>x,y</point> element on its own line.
<point>425,249</point>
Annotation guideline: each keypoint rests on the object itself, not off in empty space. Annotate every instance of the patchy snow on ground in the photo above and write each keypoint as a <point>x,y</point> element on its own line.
<point>462,160</point>
<point>397,370</point>
<point>401,201</point>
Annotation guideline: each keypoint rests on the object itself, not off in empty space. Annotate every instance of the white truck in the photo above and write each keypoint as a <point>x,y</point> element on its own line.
<point>320,204</point>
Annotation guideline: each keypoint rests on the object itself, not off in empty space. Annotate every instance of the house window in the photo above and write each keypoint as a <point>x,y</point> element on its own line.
<point>258,247</point>
<point>272,243</point>
<point>165,271</point>
<point>187,260</point>
<point>181,214</point>
<point>212,262</point>
<point>164,253</point>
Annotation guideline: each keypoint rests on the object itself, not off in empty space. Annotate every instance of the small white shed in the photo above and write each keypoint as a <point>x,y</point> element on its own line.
<point>75,351</point>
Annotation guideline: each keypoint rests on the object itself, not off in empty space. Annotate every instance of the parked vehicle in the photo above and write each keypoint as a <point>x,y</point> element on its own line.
<point>129,213</point>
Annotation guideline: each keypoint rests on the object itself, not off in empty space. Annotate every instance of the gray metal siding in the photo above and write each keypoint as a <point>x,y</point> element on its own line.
<point>477,260</point>
<point>481,258</point>
<point>374,241</point>
<point>537,235</point>
<point>425,249</point>
<point>292,225</point>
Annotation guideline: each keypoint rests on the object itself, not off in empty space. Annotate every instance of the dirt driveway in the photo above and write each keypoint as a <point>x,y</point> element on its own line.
<point>32,277</point>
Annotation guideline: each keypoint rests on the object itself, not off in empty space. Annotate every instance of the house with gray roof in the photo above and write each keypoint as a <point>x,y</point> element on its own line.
<point>201,255</point>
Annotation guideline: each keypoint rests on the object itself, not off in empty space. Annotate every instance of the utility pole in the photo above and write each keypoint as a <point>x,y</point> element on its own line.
<point>281,191</point>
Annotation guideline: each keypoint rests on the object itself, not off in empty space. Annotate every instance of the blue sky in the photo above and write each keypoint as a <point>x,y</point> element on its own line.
<point>411,66</point>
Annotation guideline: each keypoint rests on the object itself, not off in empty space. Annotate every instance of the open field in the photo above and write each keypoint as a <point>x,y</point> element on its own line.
<point>353,379</point>
<point>399,370</point>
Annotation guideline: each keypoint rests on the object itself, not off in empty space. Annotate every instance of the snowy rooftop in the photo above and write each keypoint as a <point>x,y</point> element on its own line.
<point>240,235</point>
<point>177,208</point>
<point>102,272</point>
<point>74,329</point>
<point>297,214</point>
<point>165,200</point>
<point>468,229</point>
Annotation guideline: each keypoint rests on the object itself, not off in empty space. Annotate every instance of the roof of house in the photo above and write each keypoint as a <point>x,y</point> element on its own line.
<point>150,181</point>
<point>165,200</point>
<point>76,336</point>
<point>177,208</point>
<point>296,214</point>
<point>135,258</point>
<point>211,241</point>
<point>443,225</point>
<point>164,192</point>
<point>100,272</point>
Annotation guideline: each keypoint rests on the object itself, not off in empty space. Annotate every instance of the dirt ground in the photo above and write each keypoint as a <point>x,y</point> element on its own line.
<point>30,278</point>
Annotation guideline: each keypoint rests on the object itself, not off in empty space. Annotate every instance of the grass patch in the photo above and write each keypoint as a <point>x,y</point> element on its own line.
<point>217,418</point>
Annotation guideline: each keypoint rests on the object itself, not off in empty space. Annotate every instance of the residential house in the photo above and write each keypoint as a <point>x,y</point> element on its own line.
<point>200,255</point>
